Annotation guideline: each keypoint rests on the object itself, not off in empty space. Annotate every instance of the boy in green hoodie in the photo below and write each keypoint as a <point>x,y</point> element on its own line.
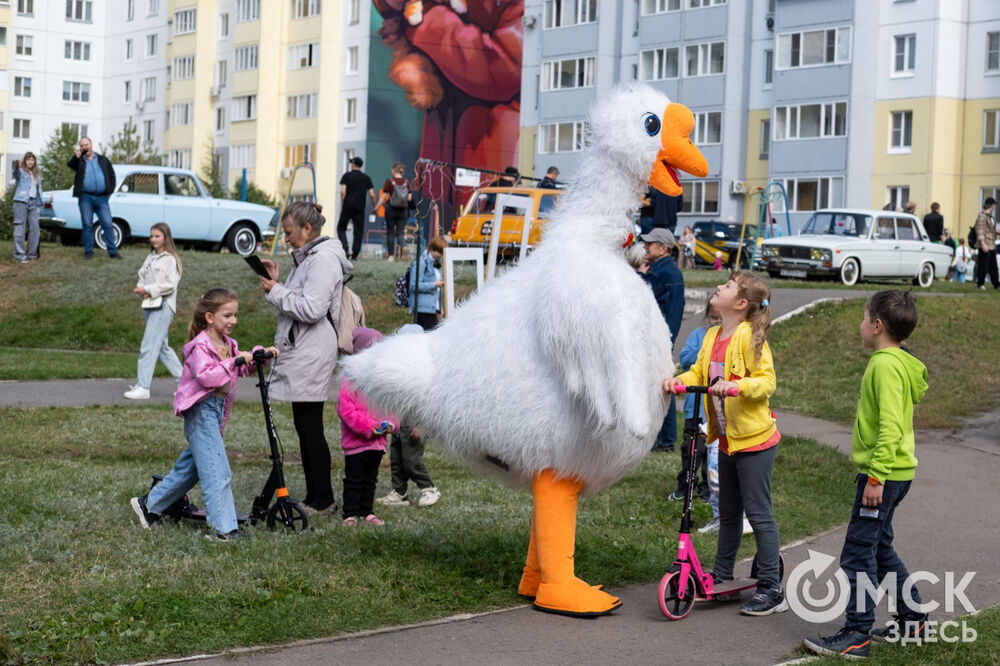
<point>883,449</point>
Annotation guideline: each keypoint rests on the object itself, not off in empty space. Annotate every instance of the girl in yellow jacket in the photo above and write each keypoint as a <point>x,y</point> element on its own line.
<point>735,355</point>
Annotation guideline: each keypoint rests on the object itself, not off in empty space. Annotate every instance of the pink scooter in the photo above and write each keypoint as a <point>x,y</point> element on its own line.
<point>686,581</point>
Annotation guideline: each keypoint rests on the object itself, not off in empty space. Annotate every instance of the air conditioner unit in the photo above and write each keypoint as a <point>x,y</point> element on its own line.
<point>140,106</point>
<point>215,91</point>
<point>739,187</point>
<point>286,173</point>
<point>528,20</point>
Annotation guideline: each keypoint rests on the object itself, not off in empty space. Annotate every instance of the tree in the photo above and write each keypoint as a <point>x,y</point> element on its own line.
<point>211,172</point>
<point>127,147</point>
<point>254,194</point>
<point>60,148</point>
<point>7,214</point>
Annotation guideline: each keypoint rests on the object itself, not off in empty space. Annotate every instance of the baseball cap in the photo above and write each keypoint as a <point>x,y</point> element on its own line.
<point>658,235</point>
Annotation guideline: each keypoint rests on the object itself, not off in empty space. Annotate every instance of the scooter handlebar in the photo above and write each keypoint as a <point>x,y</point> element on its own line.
<point>258,355</point>
<point>680,388</point>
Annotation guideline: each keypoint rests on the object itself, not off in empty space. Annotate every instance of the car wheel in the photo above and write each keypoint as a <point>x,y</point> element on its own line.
<point>926,275</point>
<point>850,271</point>
<point>101,242</point>
<point>242,240</point>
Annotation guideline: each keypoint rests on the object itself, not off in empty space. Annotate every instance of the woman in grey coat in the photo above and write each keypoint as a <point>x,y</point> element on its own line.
<point>308,303</point>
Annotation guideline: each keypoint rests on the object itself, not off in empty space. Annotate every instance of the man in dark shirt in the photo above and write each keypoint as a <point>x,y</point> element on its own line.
<point>667,282</point>
<point>92,186</point>
<point>551,180</point>
<point>353,186</point>
<point>934,223</point>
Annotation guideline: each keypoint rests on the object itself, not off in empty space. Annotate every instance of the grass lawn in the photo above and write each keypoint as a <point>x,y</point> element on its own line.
<point>82,582</point>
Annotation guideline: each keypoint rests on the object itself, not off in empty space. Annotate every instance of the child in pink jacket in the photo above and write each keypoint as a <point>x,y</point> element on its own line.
<point>362,435</point>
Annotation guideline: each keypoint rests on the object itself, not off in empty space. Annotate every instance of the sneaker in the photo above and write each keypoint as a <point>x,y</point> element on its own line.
<point>137,393</point>
<point>372,519</point>
<point>391,258</point>
<point>901,627</point>
<point>115,256</point>
<point>676,496</point>
<point>393,499</point>
<point>983,287</point>
<point>146,519</point>
<point>235,535</point>
<point>350,521</point>
<point>313,511</point>
<point>747,527</point>
<point>88,255</point>
<point>710,527</point>
<point>429,496</point>
<point>765,602</point>
<point>845,643</point>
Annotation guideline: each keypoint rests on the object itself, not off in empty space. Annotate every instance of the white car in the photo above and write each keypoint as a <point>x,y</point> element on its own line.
<point>857,245</point>
<point>147,194</point>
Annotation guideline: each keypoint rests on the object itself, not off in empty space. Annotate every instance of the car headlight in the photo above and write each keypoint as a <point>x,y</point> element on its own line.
<point>770,251</point>
<point>821,254</point>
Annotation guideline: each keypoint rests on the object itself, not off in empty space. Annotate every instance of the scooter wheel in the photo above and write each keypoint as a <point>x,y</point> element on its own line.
<point>291,515</point>
<point>671,605</point>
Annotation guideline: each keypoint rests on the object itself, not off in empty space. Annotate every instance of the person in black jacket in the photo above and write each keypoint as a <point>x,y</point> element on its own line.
<point>94,183</point>
<point>934,223</point>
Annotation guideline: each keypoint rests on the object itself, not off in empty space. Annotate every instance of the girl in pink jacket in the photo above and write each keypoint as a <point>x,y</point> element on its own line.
<point>362,435</point>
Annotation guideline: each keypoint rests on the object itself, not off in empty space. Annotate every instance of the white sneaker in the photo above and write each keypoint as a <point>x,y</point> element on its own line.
<point>393,499</point>
<point>710,527</point>
<point>429,496</point>
<point>747,528</point>
<point>137,393</point>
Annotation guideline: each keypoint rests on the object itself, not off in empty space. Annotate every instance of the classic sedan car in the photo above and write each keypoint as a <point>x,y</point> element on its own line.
<point>473,226</point>
<point>858,245</point>
<point>147,194</point>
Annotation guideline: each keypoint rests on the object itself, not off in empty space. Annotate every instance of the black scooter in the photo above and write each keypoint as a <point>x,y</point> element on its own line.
<point>286,511</point>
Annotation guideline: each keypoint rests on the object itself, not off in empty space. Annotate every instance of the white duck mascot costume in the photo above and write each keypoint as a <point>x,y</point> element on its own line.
<point>551,375</point>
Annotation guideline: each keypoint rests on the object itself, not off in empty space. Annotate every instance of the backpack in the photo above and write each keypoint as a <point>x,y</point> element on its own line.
<point>400,192</point>
<point>402,296</point>
<point>973,238</point>
<point>352,315</point>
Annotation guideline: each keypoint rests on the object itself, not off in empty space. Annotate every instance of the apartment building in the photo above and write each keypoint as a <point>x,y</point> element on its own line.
<point>844,102</point>
<point>5,36</point>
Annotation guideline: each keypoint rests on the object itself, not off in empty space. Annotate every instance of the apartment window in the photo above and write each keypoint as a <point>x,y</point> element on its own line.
<point>352,60</point>
<point>901,134</point>
<point>298,153</point>
<point>24,45</point>
<point>179,159</point>
<point>130,10</point>
<point>154,8</point>
<point>904,54</point>
<point>1,129</point>
<point>184,22</point>
<point>244,108</point>
<point>223,26</point>
<point>80,10</point>
<point>561,137</point>
<point>76,50</point>
<point>705,59</point>
<point>302,106</point>
<point>659,64</point>
<point>150,46</point>
<point>220,118</point>
<point>897,196</point>
<point>562,74</point>
<point>354,12</point>
<point>79,130</point>
<point>221,73</point>
<point>22,128</point>
<point>242,156</point>
<point>765,138</point>
<point>701,197</point>
<point>993,52</point>
<point>349,154</point>
<point>991,130</point>
<point>707,128</point>
<point>814,48</point>
<point>304,8</point>
<point>22,86</point>
<point>562,13</point>
<point>351,112</point>
<point>302,56</point>
<point>183,68</point>
<point>149,89</point>
<point>76,91</point>
<point>695,4</point>
<point>148,129</point>
<point>660,6</point>
<point>128,92</point>
<point>768,68</point>
<point>26,7</point>
<point>181,114</point>
<point>805,194</point>
<point>246,58</point>
<point>247,10</point>
<point>128,50</point>
<point>810,121</point>
<point>3,35</point>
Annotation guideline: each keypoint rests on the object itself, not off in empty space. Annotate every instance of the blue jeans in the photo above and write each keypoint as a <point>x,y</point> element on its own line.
<point>155,345</point>
<point>203,460</point>
<point>868,552</point>
<point>96,203</point>
<point>668,431</point>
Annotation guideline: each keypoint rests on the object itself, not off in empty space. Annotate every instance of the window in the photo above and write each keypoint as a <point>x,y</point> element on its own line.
<point>351,112</point>
<point>765,138</point>
<point>179,159</point>
<point>561,137</point>
<point>220,118</point>
<point>562,74</point>
<point>246,58</point>
<point>298,153</point>
<point>561,13</point>
<point>26,7</point>
<point>181,114</point>
<point>184,22</point>
<point>183,68</point>
<point>150,46</point>
<point>302,106</point>
<point>897,195</point>
<point>244,108</point>
<point>904,54</point>
<point>814,48</point>
<point>79,10</point>
<point>22,128</point>
<point>354,12</point>
<point>221,73</point>
<point>705,59</point>
<point>701,197</point>
<point>148,129</point>
<point>349,154</point>
<point>79,130</point>
<point>988,192</point>
<point>149,89</point>
<point>352,59</point>
<point>76,50</point>
<point>75,91</point>
<point>242,156</point>
<point>154,8</point>
<point>991,130</point>
<point>660,6</point>
<point>304,8</point>
<point>141,183</point>
<point>695,4</point>
<point>247,10</point>
<point>22,86</point>
<point>901,134</point>
<point>181,184</point>
<point>768,68</point>
<point>810,121</point>
<point>805,194</point>
<point>993,52</point>
<point>128,92</point>
<point>3,35</point>
<point>223,26</point>
<point>707,128</point>
<point>659,64</point>
<point>130,10</point>
<point>302,56</point>
<point>128,50</point>
<point>23,45</point>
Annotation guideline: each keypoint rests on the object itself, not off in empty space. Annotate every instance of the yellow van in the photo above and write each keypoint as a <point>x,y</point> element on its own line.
<point>473,226</point>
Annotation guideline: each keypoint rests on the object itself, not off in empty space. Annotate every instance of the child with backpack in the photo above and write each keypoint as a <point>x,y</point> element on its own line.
<point>398,199</point>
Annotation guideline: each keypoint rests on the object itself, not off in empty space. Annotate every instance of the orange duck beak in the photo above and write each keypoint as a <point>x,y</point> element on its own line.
<point>677,151</point>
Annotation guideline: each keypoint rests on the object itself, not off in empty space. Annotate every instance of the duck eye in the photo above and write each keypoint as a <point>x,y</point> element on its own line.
<point>652,124</point>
